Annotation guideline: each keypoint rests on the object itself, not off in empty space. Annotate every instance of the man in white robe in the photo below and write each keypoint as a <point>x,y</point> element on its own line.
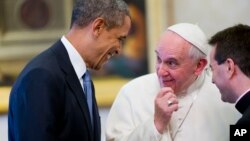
<point>178,102</point>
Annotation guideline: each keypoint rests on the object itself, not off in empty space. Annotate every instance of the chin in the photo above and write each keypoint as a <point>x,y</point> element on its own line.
<point>226,100</point>
<point>97,67</point>
<point>168,85</point>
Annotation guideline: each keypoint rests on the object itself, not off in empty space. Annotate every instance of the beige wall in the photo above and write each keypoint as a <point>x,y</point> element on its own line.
<point>210,15</point>
<point>18,44</point>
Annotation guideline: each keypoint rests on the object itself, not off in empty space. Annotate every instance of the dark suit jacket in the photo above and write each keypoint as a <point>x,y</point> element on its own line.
<point>47,102</point>
<point>243,106</point>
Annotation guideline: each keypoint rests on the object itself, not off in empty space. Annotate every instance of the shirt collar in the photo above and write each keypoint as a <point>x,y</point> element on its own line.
<point>75,58</point>
<point>242,96</point>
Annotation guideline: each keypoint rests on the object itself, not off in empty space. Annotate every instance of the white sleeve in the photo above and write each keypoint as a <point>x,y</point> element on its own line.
<point>121,125</point>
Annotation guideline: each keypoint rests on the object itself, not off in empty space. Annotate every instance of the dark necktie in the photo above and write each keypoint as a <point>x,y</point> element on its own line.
<point>88,92</point>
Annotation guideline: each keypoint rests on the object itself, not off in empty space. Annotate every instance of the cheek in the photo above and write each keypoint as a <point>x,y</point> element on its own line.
<point>113,42</point>
<point>181,79</point>
<point>217,78</point>
<point>188,69</point>
<point>213,76</point>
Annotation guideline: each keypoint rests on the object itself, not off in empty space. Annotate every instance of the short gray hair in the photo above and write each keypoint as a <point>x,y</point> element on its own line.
<point>113,12</point>
<point>195,53</point>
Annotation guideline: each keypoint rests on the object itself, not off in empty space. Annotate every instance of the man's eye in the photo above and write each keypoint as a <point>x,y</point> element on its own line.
<point>171,63</point>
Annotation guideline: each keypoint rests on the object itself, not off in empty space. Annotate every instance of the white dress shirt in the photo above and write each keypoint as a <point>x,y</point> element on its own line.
<point>75,59</point>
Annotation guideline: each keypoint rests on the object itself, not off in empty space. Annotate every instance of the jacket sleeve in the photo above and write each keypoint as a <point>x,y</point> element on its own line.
<point>34,107</point>
<point>121,125</point>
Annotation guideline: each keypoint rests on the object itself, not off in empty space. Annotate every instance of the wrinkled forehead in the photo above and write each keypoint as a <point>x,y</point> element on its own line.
<point>171,42</point>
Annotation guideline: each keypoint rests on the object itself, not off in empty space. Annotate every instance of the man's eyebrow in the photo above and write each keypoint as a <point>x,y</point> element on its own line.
<point>123,37</point>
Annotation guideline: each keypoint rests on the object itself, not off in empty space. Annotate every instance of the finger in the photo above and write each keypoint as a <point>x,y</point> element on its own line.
<point>173,107</point>
<point>168,96</point>
<point>169,102</point>
<point>165,91</point>
<point>173,104</point>
<point>172,101</point>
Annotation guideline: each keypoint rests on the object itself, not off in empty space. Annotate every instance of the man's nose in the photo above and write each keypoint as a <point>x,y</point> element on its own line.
<point>162,69</point>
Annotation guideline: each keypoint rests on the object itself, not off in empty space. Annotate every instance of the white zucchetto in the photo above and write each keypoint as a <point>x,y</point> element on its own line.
<point>193,34</point>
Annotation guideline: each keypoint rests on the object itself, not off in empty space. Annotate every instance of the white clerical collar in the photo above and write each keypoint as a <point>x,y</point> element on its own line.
<point>242,96</point>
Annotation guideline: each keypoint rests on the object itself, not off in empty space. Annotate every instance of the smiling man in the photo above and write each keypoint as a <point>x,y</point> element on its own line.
<point>230,64</point>
<point>178,102</point>
<point>53,98</point>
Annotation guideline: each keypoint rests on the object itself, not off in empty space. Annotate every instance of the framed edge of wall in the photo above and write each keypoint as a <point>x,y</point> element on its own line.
<point>20,37</point>
<point>19,41</point>
<point>157,21</point>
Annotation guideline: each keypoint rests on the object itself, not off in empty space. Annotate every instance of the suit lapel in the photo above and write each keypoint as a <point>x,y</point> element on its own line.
<point>243,103</point>
<point>97,124</point>
<point>72,80</point>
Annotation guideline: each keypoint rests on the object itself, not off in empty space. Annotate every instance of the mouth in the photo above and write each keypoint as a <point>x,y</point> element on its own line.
<point>105,59</point>
<point>167,82</point>
<point>111,54</point>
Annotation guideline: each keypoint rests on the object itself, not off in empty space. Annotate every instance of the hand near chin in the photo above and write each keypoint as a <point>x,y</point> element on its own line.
<point>165,104</point>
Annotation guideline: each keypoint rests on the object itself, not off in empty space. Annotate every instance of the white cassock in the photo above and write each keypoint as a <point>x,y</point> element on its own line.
<point>201,116</point>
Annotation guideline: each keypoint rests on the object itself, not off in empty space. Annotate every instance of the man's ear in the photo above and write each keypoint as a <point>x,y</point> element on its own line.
<point>230,67</point>
<point>200,66</point>
<point>97,26</point>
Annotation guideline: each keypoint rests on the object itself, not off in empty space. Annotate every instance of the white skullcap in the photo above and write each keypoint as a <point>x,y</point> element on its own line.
<point>193,34</point>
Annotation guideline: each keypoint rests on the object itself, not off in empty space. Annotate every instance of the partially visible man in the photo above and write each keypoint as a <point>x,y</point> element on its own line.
<point>53,98</point>
<point>230,64</point>
<point>178,102</point>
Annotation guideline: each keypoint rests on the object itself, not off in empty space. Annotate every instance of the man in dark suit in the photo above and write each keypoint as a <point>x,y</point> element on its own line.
<point>49,101</point>
<point>230,63</point>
